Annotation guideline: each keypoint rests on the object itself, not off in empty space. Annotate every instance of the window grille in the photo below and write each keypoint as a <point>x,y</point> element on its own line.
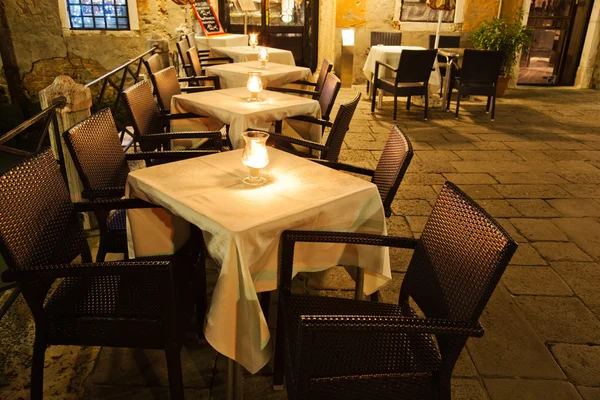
<point>98,14</point>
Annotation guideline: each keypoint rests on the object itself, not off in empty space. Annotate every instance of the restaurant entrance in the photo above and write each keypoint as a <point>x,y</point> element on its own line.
<point>559,28</point>
<point>284,24</point>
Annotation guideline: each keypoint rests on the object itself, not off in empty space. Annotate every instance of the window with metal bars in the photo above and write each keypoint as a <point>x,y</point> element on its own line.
<point>98,14</point>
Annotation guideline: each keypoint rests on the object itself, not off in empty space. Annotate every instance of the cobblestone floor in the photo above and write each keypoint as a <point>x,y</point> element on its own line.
<point>536,169</point>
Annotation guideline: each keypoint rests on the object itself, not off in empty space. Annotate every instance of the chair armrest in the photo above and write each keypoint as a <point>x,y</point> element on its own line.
<point>179,116</point>
<point>278,137</point>
<point>112,204</point>
<point>293,236</point>
<point>115,268</point>
<point>344,167</point>
<point>293,90</point>
<point>194,89</point>
<point>303,82</point>
<point>215,136</point>
<point>312,120</point>
<point>111,192</point>
<point>173,154</point>
<point>209,59</point>
<point>378,323</point>
<point>378,63</point>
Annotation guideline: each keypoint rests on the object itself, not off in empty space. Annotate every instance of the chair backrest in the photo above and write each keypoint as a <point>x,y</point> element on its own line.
<point>144,112</point>
<point>38,224</point>
<point>194,61</point>
<point>329,92</point>
<point>459,259</point>
<point>451,42</point>
<point>392,166</point>
<point>182,48</point>
<point>415,65</point>
<point>153,64</point>
<point>481,67</point>
<point>339,129</point>
<point>191,39</point>
<point>326,67</point>
<point>96,150</point>
<point>386,38</point>
<point>166,84</point>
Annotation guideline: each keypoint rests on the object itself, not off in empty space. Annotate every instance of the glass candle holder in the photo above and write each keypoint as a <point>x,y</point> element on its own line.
<point>253,40</point>
<point>255,156</point>
<point>254,85</point>
<point>263,57</point>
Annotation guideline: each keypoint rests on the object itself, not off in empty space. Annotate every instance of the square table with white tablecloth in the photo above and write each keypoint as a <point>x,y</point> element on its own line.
<point>242,225</point>
<point>275,75</point>
<point>247,53</point>
<point>391,55</point>
<point>231,107</point>
<point>225,40</point>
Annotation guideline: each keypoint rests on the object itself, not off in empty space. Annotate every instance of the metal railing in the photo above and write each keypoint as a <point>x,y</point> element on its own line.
<point>117,79</point>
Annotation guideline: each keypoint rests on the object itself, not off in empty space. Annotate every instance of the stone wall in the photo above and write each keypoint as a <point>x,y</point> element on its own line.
<point>44,49</point>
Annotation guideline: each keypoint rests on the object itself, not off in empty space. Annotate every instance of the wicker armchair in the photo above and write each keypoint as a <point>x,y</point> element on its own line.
<point>385,39</point>
<point>166,85</point>
<point>199,64</point>
<point>120,304</point>
<point>477,76</point>
<point>331,149</point>
<point>102,167</point>
<point>149,123</point>
<point>412,78</point>
<point>390,170</point>
<point>349,349</point>
<point>326,67</point>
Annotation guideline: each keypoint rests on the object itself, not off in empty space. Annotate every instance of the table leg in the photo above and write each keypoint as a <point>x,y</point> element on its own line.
<point>359,289</point>
<point>235,380</point>
<point>446,87</point>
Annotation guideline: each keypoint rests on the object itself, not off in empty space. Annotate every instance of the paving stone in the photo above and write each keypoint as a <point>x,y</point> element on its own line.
<point>510,347</point>
<point>496,155</point>
<point>512,231</point>
<point>584,280</point>
<point>533,208</point>
<point>470,179</point>
<point>411,207</point>
<point>554,317</point>
<point>585,232</point>
<point>481,191</point>
<point>559,251</point>
<point>467,389</point>
<point>416,192</point>
<point>437,155</point>
<point>530,155</point>
<point>101,392</point>
<point>492,145</point>
<point>536,229</point>
<point>583,191</point>
<point>530,389</point>
<point>576,207</point>
<point>331,278</point>
<point>464,366</point>
<point>499,208</point>
<point>527,255</point>
<point>580,178</point>
<point>528,145</point>
<point>521,280</point>
<point>416,223</point>
<point>416,178</point>
<point>390,292</point>
<point>563,155</point>
<point>532,191</point>
<point>447,145</point>
<point>581,363</point>
<point>528,178</point>
<point>437,167</point>
<point>577,166</point>
<point>589,393</point>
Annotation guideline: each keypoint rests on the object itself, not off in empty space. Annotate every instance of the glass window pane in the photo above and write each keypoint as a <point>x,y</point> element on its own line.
<point>87,11</point>
<point>98,11</point>
<point>111,23</point>
<point>88,22</point>
<point>109,10</point>
<point>122,23</point>
<point>75,10</point>
<point>100,23</point>
<point>77,22</point>
<point>73,1</point>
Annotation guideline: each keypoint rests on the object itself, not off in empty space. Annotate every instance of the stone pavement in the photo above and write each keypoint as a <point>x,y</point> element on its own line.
<point>536,169</point>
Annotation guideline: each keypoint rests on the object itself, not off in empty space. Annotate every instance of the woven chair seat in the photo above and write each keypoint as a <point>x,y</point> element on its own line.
<point>410,354</point>
<point>392,81</point>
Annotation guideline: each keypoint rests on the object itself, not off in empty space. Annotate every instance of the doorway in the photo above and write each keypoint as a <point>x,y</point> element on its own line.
<point>284,24</point>
<point>559,28</point>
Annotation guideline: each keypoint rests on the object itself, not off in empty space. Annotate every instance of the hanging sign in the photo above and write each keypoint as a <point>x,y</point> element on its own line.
<point>209,22</point>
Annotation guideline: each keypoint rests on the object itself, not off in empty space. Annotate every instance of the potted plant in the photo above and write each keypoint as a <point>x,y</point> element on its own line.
<point>500,34</point>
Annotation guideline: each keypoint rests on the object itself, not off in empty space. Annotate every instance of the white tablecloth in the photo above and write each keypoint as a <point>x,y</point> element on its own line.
<point>230,106</point>
<point>242,225</point>
<point>227,40</point>
<point>391,55</point>
<point>247,53</point>
<point>275,75</point>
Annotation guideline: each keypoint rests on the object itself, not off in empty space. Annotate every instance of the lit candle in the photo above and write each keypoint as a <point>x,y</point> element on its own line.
<point>263,57</point>
<point>255,156</point>
<point>253,40</point>
<point>254,85</point>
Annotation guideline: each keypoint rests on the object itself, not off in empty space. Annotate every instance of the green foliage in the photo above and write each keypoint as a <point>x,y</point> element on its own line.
<point>500,34</point>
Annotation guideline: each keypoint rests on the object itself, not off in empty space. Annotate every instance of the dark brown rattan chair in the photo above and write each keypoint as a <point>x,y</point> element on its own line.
<point>412,78</point>
<point>198,64</point>
<point>446,42</point>
<point>153,64</point>
<point>390,170</point>
<point>326,67</point>
<point>182,48</point>
<point>385,39</point>
<point>478,76</point>
<point>166,85</point>
<point>148,122</point>
<point>118,304</point>
<point>348,349</point>
<point>102,167</point>
<point>191,39</point>
<point>331,149</point>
